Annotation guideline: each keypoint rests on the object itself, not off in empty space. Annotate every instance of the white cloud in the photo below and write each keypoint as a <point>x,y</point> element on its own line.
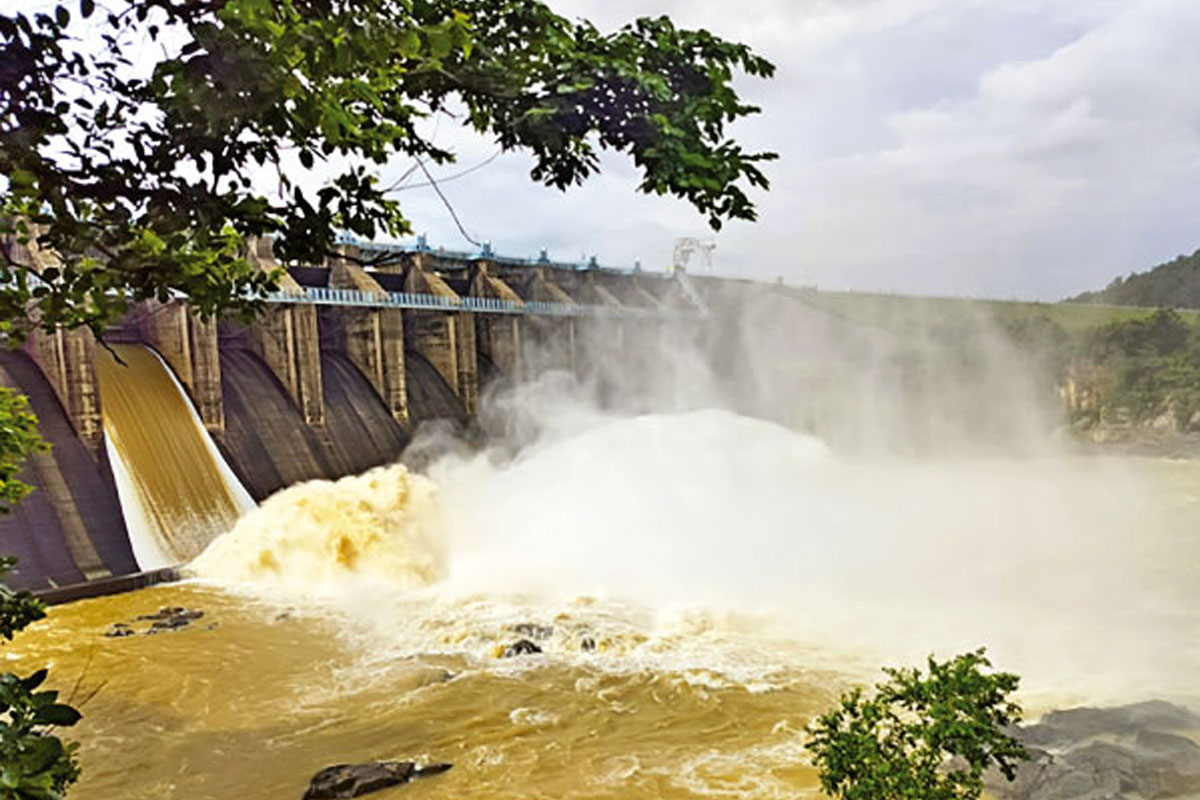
<point>1008,147</point>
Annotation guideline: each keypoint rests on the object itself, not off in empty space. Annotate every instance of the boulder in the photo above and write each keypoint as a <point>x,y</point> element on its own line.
<point>354,780</point>
<point>170,618</point>
<point>169,613</point>
<point>1126,753</point>
<point>1151,715</point>
<point>522,647</point>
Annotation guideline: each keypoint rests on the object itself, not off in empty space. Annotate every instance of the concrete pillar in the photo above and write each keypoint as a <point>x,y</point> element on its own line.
<point>206,372</point>
<point>555,340</point>
<point>189,346</point>
<point>373,338</point>
<point>467,360</point>
<point>498,336</point>
<point>68,359</point>
<point>445,339</point>
<point>286,338</point>
<point>546,342</point>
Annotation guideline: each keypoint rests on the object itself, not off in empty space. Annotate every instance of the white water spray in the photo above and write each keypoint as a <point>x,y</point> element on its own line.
<point>1063,567</point>
<point>1075,572</point>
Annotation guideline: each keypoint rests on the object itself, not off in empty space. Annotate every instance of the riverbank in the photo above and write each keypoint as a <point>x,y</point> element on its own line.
<point>1140,441</point>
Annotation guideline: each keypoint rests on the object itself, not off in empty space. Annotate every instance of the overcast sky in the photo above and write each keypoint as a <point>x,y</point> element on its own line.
<point>1005,148</point>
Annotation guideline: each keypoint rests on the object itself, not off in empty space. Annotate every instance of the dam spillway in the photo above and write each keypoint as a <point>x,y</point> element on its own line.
<point>176,490</point>
<point>266,440</point>
<point>346,361</point>
<point>362,433</point>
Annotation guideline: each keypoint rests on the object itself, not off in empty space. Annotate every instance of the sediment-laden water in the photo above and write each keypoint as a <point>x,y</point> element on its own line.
<point>175,488</point>
<point>699,585</point>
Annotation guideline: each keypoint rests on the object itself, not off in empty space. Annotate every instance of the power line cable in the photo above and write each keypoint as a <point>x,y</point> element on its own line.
<point>396,187</point>
<point>399,182</point>
<point>446,203</point>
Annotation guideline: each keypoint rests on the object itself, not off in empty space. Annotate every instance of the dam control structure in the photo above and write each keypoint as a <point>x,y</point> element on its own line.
<point>162,433</point>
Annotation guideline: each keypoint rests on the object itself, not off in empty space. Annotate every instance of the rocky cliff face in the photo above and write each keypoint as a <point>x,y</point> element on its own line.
<point>1134,752</point>
<point>1160,421</point>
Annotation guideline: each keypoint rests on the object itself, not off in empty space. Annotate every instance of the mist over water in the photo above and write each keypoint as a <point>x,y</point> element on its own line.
<point>633,487</point>
<point>1077,573</point>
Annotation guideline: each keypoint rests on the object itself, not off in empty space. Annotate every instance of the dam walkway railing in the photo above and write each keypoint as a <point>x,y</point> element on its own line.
<point>479,305</point>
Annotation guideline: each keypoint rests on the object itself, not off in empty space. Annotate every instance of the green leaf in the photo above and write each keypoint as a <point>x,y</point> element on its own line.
<point>58,714</point>
<point>440,43</point>
<point>42,753</point>
<point>408,44</point>
<point>35,680</point>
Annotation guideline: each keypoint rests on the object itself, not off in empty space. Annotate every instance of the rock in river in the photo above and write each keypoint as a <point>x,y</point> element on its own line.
<point>1132,752</point>
<point>167,618</point>
<point>353,780</point>
<point>521,647</point>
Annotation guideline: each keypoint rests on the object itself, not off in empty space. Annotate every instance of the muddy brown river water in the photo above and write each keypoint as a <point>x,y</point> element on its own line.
<point>700,586</point>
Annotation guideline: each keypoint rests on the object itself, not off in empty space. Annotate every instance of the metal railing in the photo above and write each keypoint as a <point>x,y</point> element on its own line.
<point>487,305</point>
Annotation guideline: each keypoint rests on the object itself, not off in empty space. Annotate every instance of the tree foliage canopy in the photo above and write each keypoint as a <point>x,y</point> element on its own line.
<point>920,736</point>
<point>18,439</point>
<point>1175,284</point>
<point>1150,367</point>
<point>144,179</point>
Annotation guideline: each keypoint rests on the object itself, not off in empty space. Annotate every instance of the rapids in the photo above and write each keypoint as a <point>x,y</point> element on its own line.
<point>701,585</point>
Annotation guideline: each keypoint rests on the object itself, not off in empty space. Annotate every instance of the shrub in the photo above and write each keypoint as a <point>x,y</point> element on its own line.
<point>920,736</point>
<point>34,763</point>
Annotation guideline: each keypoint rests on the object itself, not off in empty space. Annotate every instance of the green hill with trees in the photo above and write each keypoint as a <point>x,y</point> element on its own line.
<point>1175,284</point>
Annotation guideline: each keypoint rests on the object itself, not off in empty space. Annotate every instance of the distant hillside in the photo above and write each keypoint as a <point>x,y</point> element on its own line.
<point>1175,284</point>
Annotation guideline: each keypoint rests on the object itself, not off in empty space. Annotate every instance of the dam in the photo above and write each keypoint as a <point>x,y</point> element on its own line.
<point>647,595</point>
<point>170,427</point>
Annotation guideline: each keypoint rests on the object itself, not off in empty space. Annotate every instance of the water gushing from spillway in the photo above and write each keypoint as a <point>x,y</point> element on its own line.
<point>176,491</point>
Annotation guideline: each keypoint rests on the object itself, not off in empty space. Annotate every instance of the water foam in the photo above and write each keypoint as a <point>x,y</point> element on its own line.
<point>321,536</point>
<point>1063,567</point>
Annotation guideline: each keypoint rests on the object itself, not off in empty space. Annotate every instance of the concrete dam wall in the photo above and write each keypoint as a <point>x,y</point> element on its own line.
<point>165,432</point>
